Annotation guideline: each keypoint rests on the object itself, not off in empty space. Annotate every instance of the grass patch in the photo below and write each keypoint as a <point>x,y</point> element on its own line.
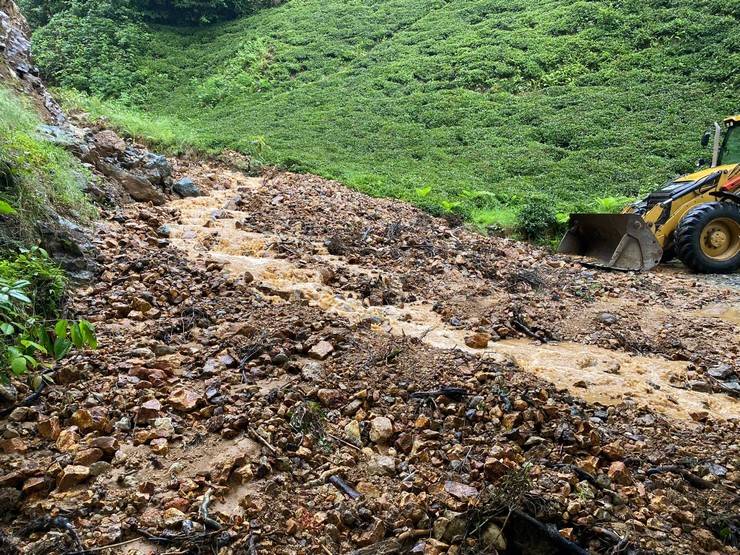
<point>571,101</point>
<point>35,175</point>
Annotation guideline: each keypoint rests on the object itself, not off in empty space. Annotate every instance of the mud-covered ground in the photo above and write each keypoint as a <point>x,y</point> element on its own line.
<point>287,366</point>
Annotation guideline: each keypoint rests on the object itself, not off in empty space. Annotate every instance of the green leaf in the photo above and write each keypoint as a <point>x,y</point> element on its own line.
<point>61,347</point>
<point>6,209</point>
<point>60,329</point>
<point>19,365</point>
<point>27,343</point>
<point>19,296</point>
<point>88,334</point>
<point>46,341</point>
<point>77,336</point>
<point>7,329</point>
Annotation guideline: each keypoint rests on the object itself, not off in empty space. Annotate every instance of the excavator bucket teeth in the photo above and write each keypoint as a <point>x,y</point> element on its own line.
<point>619,241</point>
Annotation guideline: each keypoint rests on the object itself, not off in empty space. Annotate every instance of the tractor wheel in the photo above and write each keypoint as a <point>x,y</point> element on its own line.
<point>707,238</point>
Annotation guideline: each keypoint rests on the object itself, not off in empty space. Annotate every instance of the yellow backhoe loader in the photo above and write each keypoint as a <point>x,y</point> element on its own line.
<point>695,218</point>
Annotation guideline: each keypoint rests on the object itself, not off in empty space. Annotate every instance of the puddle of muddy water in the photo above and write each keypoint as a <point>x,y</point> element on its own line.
<point>729,312</point>
<point>594,374</point>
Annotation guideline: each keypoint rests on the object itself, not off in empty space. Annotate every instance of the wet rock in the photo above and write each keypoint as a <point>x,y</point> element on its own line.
<point>381,429</point>
<point>86,457</point>
<point>721,371</point>
<point>608,318</point>
<point>13,445</point>
<point>183,399</point>
<point>478,340</point>
<point>49,428</point>
<point>71,476</point>
<point>321,350</point>
<point>352,432</point>
<point>382,465</point>
<point>186,187</point>
<point>619,474</point>
<point>460,491</point>
<point>312,371</point>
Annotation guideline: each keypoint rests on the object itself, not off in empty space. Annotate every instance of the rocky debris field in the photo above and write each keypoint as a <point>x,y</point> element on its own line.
<point>290,367</point>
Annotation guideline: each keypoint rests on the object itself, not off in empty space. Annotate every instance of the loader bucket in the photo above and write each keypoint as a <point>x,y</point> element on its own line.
<point>620,241</point>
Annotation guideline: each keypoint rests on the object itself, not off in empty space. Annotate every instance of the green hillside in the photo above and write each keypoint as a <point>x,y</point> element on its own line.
<point>467,105</point>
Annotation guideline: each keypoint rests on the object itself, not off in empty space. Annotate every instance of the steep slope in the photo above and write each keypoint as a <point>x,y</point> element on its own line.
<point>488,102</point>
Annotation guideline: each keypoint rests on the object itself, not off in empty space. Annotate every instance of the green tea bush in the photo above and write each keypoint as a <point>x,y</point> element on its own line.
<point>536,220</point>
<point>574,100</point>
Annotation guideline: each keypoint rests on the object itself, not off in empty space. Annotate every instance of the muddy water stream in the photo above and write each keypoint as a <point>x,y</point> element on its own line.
<point>588,372</point>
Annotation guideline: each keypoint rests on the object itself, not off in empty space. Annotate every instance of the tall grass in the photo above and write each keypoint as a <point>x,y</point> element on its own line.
<point>38,176</point>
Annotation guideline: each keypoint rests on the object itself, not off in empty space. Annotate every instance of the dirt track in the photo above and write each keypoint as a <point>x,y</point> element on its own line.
<point>259,340</point>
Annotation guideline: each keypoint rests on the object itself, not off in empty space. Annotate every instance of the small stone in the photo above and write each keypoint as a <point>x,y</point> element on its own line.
<point>49,428</point>
<point>312,371</point>
<point>183,399</point>
<point>13,445</point>
<point>100,467</point>
<point>159,446</point>
<point>329,397</point>
<point>321,350</point>
<point>460,491</point>
<point>381,429</point>
<point>107,444</point>
<point>291,527</point>
<point>86,457</point>
<point>173,517</point>
<point>382,465</point>
<point>721,371</point>
<point>149,410</point>
<point>141,305</point>
<point>68,440</point>
<point>608,318</point>
<point>71,476</point>
<point>478,340</point>
<point>91,420</point>
<point>699,415</point>
<point>352,431</point>
<point>186,187</point>
<point>619,474</point>
<point>34,485</point>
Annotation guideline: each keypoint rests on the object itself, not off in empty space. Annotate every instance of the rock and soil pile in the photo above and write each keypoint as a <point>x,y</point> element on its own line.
<point>287,366</point>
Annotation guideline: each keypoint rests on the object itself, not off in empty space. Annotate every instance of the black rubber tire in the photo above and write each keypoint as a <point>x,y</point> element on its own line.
<point>688,235</point>
<point>668,255</point>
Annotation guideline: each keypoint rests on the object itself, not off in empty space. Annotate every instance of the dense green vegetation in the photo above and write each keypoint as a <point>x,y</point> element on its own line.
<point>474,106</point>
<point>36,177</point>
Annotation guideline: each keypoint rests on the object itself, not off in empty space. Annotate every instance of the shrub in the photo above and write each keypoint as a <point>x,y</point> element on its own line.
<point>31,288</point>
<point>35,176</point>
<point>536,220</point>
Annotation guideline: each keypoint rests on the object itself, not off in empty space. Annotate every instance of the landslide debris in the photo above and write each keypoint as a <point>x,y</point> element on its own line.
<point>264,385</point>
